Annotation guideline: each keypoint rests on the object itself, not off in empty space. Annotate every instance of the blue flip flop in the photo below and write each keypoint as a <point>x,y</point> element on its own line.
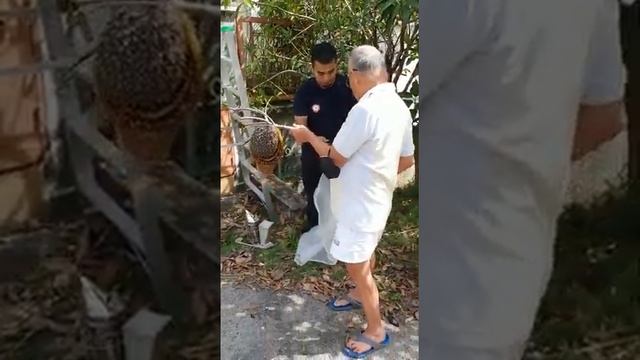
<point>359,337</point>
<point>352,304</point>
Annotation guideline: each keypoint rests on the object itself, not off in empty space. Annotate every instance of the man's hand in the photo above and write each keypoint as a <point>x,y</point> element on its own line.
<point>301,133</point>
<point>320,145</point>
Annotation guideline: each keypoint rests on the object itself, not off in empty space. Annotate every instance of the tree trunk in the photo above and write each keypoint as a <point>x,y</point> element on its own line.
<point>630,34</point>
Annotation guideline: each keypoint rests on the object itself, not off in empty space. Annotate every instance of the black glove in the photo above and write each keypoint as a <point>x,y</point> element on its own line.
<point>329,168</point>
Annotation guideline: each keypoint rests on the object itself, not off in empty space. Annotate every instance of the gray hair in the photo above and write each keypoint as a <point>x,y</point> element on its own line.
<point>367,59</point>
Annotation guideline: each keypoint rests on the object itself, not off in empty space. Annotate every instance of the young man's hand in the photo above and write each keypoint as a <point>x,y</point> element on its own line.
<point>301,133</point>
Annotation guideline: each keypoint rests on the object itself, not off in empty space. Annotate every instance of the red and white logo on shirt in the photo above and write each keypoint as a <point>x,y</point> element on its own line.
<point>315,108</point>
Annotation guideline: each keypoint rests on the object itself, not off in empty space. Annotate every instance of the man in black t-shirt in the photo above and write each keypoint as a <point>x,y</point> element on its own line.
<point>321,103</point>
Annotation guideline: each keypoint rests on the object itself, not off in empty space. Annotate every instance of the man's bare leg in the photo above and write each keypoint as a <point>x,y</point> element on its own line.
<point>353,293</point>
<point>372,262</point>
<point>369,297</point>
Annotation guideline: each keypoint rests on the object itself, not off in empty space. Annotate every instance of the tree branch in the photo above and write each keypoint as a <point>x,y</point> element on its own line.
<point>414,74</point>
<point>401,57</point>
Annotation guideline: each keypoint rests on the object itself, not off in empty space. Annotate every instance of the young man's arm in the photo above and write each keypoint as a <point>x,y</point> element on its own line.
<point>302,134</point>
<point>322,148</point>
<point>300,109</point>
<point>600,114</point>
<point>300,120</point>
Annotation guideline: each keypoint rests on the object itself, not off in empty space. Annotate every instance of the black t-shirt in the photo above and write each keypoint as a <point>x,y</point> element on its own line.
<point>325,109</point>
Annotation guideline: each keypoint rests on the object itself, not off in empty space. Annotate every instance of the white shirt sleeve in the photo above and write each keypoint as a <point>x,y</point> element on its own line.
<point>605,72</point>
<point>407,140</point>
<point>450,30</point>
<point>355,131</point>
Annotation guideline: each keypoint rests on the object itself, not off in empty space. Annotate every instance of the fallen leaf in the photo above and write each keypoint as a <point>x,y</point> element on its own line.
<point>243,258</point>
<point>277,275</point>
<point>62,280</point>
<point>392,319</point>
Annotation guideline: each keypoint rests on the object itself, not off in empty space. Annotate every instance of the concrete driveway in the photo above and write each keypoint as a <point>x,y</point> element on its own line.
<point>258,324</point>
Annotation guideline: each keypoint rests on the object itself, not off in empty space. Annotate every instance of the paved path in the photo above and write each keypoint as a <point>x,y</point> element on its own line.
<point>258,324</point>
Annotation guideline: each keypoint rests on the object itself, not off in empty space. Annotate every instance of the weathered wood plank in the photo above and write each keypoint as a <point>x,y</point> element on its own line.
<point>283,192</point>
<point>279,189</point>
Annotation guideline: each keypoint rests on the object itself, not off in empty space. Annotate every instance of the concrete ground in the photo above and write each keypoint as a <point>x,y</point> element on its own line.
<point>258,324</point>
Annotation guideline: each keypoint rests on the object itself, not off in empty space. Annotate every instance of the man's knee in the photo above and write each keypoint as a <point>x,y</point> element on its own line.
<point>358,271</point>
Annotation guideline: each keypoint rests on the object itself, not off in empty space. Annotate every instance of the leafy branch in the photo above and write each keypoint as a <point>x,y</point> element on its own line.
<point>281,45</point>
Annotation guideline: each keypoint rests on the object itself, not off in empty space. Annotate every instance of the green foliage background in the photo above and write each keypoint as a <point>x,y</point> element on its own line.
<point>279,56</point>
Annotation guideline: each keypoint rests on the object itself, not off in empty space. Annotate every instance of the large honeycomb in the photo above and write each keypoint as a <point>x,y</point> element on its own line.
<point>267,147</point>
<point>148,76</point>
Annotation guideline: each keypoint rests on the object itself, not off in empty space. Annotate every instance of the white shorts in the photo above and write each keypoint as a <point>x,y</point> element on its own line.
<point>353,246</point>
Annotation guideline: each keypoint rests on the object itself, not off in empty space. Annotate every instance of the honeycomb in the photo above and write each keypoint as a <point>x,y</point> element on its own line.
<point>267,147</point>
<point>147,74</point>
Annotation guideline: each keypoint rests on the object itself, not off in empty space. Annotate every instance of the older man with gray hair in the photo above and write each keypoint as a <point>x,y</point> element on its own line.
<point>374,144</point>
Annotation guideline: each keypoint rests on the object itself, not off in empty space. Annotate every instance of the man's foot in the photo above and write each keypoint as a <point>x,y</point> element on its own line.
<point>345,303</point>
<point>362,344</point>
<point>346,300</point>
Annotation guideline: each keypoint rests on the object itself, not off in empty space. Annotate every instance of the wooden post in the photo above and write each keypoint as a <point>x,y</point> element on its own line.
<point>227,153</point>
<point>23,138</point>
<point>630,35</point>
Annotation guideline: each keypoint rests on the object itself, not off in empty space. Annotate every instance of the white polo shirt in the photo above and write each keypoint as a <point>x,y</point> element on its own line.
<point>503,81</point>
<point>376,133</point>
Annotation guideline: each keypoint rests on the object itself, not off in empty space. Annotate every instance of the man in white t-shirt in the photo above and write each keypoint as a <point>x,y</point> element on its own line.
<point>374,144</point>
<point>512,89</point>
